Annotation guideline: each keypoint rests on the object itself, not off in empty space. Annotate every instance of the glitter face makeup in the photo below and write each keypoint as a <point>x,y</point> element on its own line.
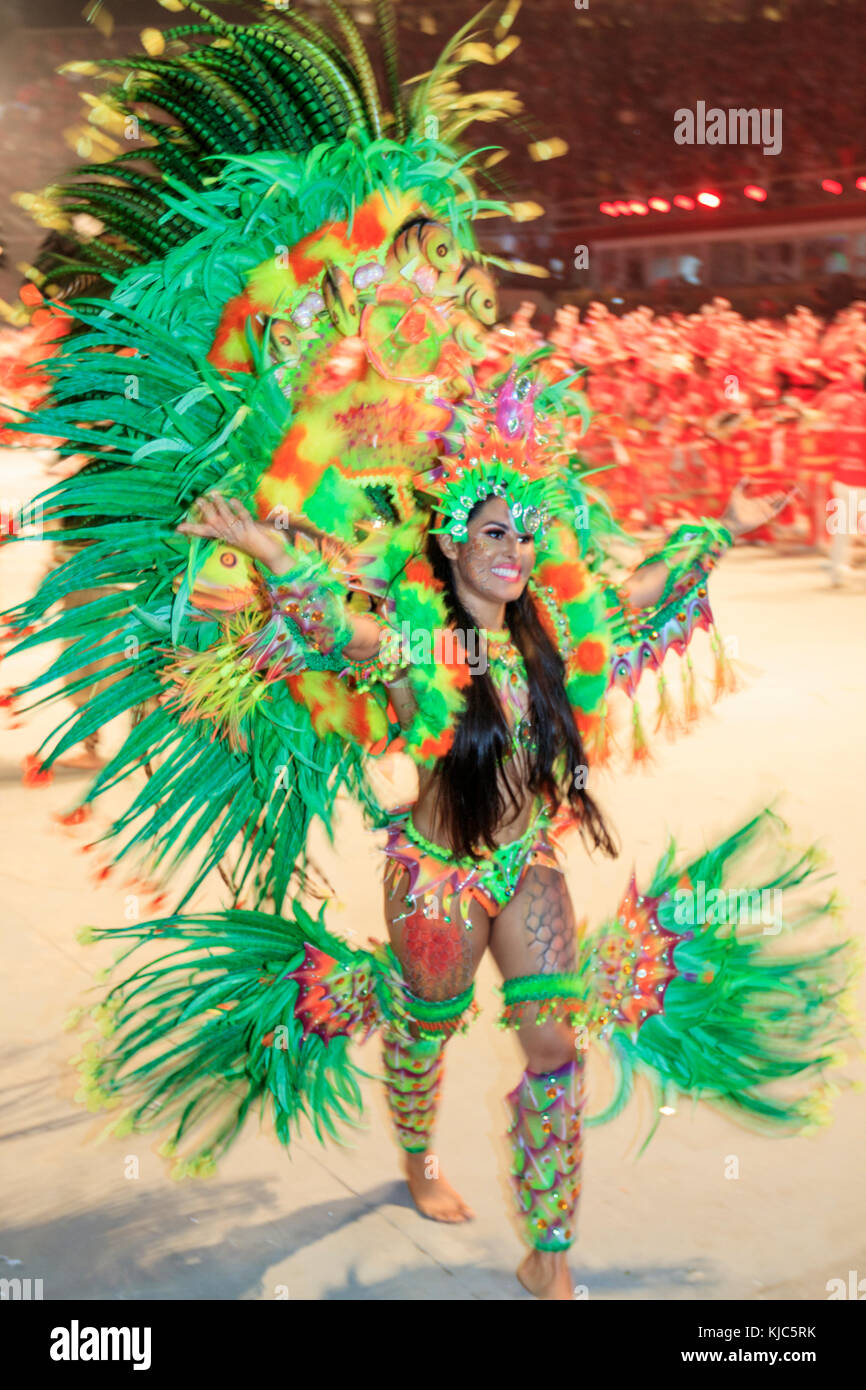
<point>495,561</point>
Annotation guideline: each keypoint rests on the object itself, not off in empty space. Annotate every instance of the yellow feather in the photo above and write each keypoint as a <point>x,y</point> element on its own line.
<point>519,267</point>
<point>16,314</point>
<point>526,212</point>
<point>30,272</point>
<point>507,18</point>
<point>547,149</point>
<point>153,42</point>
<point>97,14</point>
<point>502,50</point>
<point>486,106</point>
<point>79,69</point>
<point>42,210</point>
<point>475,53</point>
<point>107,118</point>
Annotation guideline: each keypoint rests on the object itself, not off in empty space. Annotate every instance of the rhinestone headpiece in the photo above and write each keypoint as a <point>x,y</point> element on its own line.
<point>504,451</point>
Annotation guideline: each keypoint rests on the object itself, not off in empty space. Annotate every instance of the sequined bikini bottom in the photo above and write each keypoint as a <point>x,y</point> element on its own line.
<point>438,881</point>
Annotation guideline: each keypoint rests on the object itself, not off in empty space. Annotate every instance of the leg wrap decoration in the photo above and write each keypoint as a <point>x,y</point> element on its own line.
<point>414,1065</point>
<point>413,1075</point>
<point>545,1135</point>
<point>436,1020</point>
<point>559,997</point>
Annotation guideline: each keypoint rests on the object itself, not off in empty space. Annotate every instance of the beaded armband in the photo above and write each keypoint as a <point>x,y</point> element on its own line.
<point>382,667</point>
<point>690,553</point>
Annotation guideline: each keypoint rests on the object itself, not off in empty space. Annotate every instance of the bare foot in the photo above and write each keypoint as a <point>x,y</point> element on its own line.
<point>545,1274</point>
<point>433,1196</point>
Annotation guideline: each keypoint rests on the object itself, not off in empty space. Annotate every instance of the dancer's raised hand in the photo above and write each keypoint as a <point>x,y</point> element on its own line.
<point>743,513</point>
<point>226,519</point>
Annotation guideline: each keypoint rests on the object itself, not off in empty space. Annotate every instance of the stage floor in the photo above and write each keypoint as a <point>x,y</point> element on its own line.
<point>336,1223</point>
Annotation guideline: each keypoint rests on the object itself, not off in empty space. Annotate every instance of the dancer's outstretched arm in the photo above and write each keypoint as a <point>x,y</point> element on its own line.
<point>646,585</point>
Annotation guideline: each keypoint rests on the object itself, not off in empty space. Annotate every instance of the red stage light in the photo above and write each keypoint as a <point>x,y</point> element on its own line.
<point>659,204</point>
<point>752,190</point>
<point>831,186</point>
<point>608,209</point>
<point>623,208</point>
<point>637,206</point>
<point>861,184</point>
<point>709,200</point>
<point>682,200</point>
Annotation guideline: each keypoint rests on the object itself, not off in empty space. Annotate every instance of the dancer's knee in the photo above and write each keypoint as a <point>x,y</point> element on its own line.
<point>548,1046</point>
<point>546,1011</point>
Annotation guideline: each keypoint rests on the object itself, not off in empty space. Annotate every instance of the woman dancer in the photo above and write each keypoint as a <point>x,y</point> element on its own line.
<point>311,328</point>
<point>473,863</point>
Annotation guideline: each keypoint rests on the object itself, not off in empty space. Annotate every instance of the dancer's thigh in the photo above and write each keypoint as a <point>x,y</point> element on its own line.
<point>535,933</point>
<point>439,957</point>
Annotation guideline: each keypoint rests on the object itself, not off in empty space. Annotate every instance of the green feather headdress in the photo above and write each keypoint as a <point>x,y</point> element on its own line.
<point>508,449</point>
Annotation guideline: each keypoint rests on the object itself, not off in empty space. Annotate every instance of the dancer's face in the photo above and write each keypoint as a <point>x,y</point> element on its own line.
<point>495,561</point>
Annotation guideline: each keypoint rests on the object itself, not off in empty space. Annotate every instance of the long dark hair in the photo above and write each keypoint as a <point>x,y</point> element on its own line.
<point>473,786</point>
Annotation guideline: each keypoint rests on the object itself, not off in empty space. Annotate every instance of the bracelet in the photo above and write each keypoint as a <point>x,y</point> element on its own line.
<point>367,671</point>
<point>706,540</point>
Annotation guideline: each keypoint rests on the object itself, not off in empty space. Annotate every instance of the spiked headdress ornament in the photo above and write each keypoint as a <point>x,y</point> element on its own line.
<point>505,451</point>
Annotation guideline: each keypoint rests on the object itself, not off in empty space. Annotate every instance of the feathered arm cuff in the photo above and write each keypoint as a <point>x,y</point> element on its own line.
<point>306,622</point>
